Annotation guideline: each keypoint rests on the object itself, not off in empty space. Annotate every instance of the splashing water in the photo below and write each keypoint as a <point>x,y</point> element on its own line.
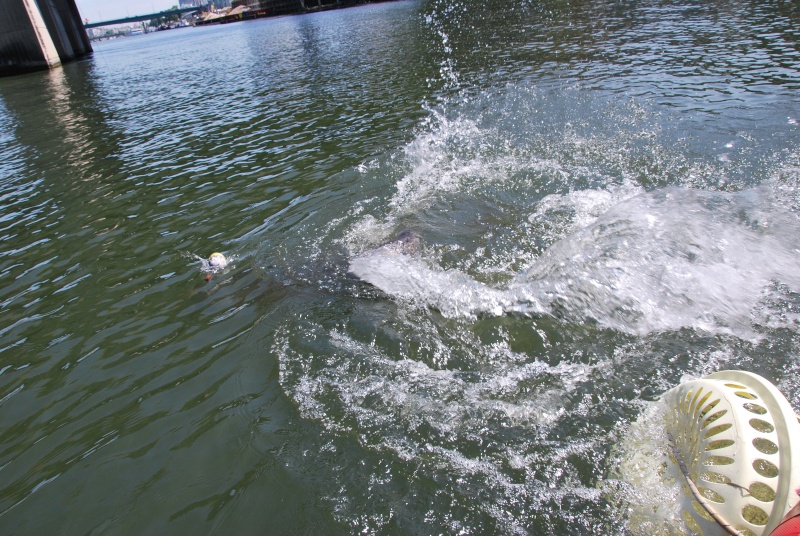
<point>580,253</point>
<point>662,260</point>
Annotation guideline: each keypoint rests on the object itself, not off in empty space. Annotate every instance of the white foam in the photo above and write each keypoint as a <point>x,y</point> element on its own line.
<point>566,213</point>
<point>658,261</point>
<point>412,279</point>
<point>641,478</point>
<point>566,225</point>
<point>427,415</point>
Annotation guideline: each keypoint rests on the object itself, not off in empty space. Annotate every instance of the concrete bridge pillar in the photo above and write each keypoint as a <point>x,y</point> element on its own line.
<point>40,34</point>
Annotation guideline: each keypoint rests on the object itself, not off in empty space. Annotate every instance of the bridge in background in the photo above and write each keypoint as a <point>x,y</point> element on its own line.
<point>43,34</point>
<point>151,16</point>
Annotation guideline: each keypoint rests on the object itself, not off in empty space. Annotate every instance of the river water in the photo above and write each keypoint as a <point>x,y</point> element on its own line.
<point>607,196</point>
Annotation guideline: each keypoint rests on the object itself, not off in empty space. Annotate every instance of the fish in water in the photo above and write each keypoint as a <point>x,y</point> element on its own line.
<point>395,267</point>
<point>660,260</point>
<point>408,242</point>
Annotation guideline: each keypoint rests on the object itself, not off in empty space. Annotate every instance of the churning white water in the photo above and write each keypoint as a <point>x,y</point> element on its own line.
<point>550,299</point>
<point>585,244</point>
<point>660,260</point>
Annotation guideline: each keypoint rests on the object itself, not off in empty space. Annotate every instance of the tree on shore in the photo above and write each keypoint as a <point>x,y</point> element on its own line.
<point>165,19</point>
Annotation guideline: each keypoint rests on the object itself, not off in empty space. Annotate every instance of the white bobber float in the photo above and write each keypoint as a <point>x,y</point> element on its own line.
<point>217,261</point>
<point>736,439</point>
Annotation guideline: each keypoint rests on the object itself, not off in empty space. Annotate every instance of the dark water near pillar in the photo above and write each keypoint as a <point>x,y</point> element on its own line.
<point>607,195</point>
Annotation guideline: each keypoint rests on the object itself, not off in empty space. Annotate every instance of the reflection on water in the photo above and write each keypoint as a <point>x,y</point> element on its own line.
<point>608,200</point>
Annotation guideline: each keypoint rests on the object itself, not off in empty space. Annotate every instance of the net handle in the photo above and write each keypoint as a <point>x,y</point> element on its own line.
<point>696,492</point>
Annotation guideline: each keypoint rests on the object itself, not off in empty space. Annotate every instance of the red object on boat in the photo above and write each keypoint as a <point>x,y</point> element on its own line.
<point>790,527</point>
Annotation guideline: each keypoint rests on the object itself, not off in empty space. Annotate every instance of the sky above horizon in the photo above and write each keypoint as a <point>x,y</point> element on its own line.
<point>100,10</point>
